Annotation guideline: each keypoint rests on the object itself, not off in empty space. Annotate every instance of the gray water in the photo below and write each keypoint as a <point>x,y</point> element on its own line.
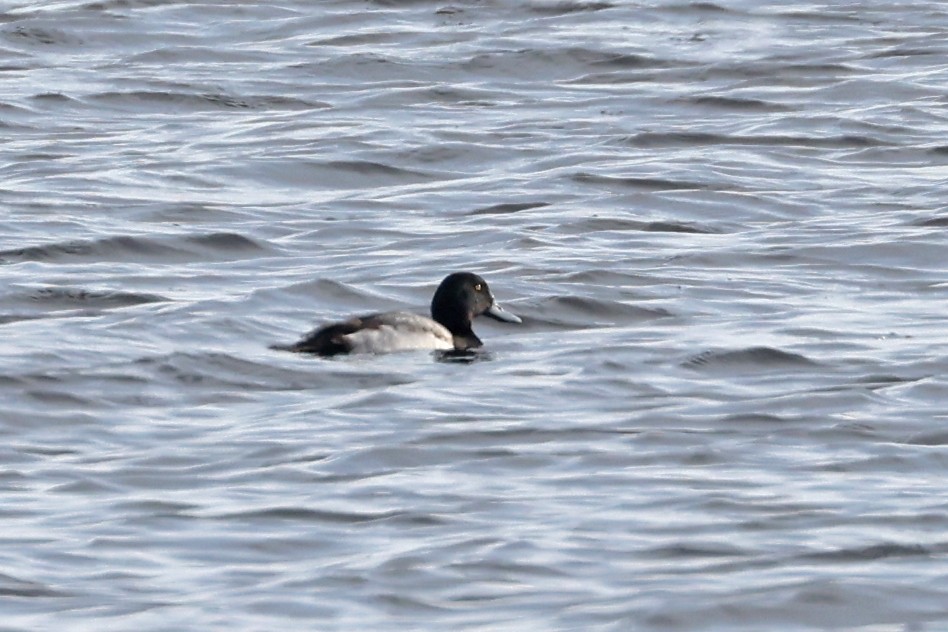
<point>722,223</point>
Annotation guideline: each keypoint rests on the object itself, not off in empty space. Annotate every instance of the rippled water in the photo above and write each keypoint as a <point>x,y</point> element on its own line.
<point>724,227</point>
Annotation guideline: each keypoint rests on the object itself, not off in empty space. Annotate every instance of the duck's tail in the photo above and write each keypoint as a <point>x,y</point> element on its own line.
<point>293,348</point>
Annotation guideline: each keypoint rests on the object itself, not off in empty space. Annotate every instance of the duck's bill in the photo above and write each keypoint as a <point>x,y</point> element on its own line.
<point>496,312</point>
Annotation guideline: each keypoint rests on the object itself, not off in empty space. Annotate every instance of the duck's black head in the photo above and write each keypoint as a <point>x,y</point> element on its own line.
<point>460,298</point>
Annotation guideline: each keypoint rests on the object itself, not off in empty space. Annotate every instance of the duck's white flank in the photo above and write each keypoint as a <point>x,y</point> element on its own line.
<point>401,331</point>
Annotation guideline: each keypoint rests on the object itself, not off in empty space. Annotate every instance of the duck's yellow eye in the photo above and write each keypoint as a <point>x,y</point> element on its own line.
<point>478,287</point>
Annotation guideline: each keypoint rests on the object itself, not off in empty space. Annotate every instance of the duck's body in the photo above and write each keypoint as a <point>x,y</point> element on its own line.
<point>377,333</point>
<point>459,299</point>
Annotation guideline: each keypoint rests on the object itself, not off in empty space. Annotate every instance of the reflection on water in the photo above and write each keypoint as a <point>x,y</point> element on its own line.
<point>466,356</point>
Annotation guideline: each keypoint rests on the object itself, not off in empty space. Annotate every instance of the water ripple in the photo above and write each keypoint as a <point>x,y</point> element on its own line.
<point>722,225</point>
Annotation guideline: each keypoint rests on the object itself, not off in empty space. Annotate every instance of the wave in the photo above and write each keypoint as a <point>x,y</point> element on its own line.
<point>583,312</point>
<point>567,6</point>
<point>871,552</point>
<point>750,358</point>
<point>649,184</point>
<point>160,99</point>
<point>621,224</point>
<point>79,297</point>
<point>507,208</point>
<point>128,248</point>
<point>675,139</point>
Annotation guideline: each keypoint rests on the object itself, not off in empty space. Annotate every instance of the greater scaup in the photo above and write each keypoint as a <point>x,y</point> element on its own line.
<point>460,297</point>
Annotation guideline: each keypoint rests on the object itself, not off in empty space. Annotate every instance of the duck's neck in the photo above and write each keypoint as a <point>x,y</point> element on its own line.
<point>459,325</point>
<point>467,341</point>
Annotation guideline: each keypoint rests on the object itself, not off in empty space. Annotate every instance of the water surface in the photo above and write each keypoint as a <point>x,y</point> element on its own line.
<point>722,223</point>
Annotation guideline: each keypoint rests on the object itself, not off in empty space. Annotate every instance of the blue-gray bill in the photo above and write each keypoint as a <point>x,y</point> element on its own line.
<point>496,312</point>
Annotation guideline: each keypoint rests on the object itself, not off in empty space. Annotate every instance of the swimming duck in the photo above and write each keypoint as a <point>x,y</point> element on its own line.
<point>460,297</point>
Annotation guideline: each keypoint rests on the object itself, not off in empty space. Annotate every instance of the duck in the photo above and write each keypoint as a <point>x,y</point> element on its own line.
<point>461,297</point>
